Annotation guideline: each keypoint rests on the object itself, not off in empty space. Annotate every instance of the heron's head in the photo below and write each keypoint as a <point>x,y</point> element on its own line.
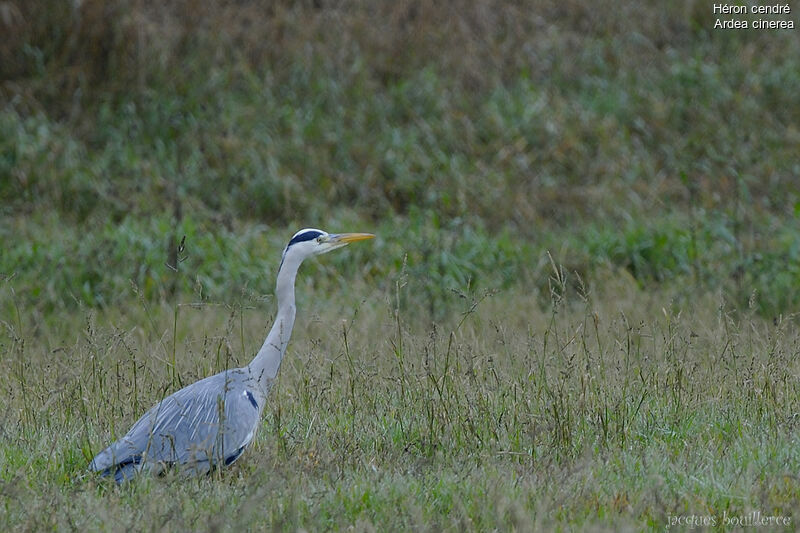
<point>311,241</point>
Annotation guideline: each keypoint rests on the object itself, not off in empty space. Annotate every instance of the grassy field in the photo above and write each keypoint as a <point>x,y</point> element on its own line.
<point>580,310</point>
<point>615,409</point>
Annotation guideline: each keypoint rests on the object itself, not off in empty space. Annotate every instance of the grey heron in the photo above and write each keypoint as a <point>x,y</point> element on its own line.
<point>211,422</point>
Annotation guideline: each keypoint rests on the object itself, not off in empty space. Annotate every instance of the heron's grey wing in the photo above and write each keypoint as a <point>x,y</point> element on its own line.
<point>205,424</point>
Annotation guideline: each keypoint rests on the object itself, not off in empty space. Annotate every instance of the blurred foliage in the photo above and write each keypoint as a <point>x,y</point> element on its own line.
<point>472,136</point>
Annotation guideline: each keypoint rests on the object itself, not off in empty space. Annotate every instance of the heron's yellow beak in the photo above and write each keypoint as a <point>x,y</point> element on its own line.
<point>346,238</point>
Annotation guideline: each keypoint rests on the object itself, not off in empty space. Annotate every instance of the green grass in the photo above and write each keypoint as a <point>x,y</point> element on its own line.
<point>615,408</point>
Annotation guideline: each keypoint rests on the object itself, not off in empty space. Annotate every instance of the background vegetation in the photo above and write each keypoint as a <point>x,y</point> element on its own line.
<point>579,309</point>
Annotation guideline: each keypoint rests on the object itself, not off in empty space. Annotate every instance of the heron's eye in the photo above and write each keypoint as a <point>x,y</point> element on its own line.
<point>319,239</point>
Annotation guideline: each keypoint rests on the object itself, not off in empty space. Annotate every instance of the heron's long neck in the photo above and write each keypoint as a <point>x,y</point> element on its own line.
<point>265,365</point>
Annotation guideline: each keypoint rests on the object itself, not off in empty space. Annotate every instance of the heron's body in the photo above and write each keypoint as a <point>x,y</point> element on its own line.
<point>204,425</point>
<point>211,422</point>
